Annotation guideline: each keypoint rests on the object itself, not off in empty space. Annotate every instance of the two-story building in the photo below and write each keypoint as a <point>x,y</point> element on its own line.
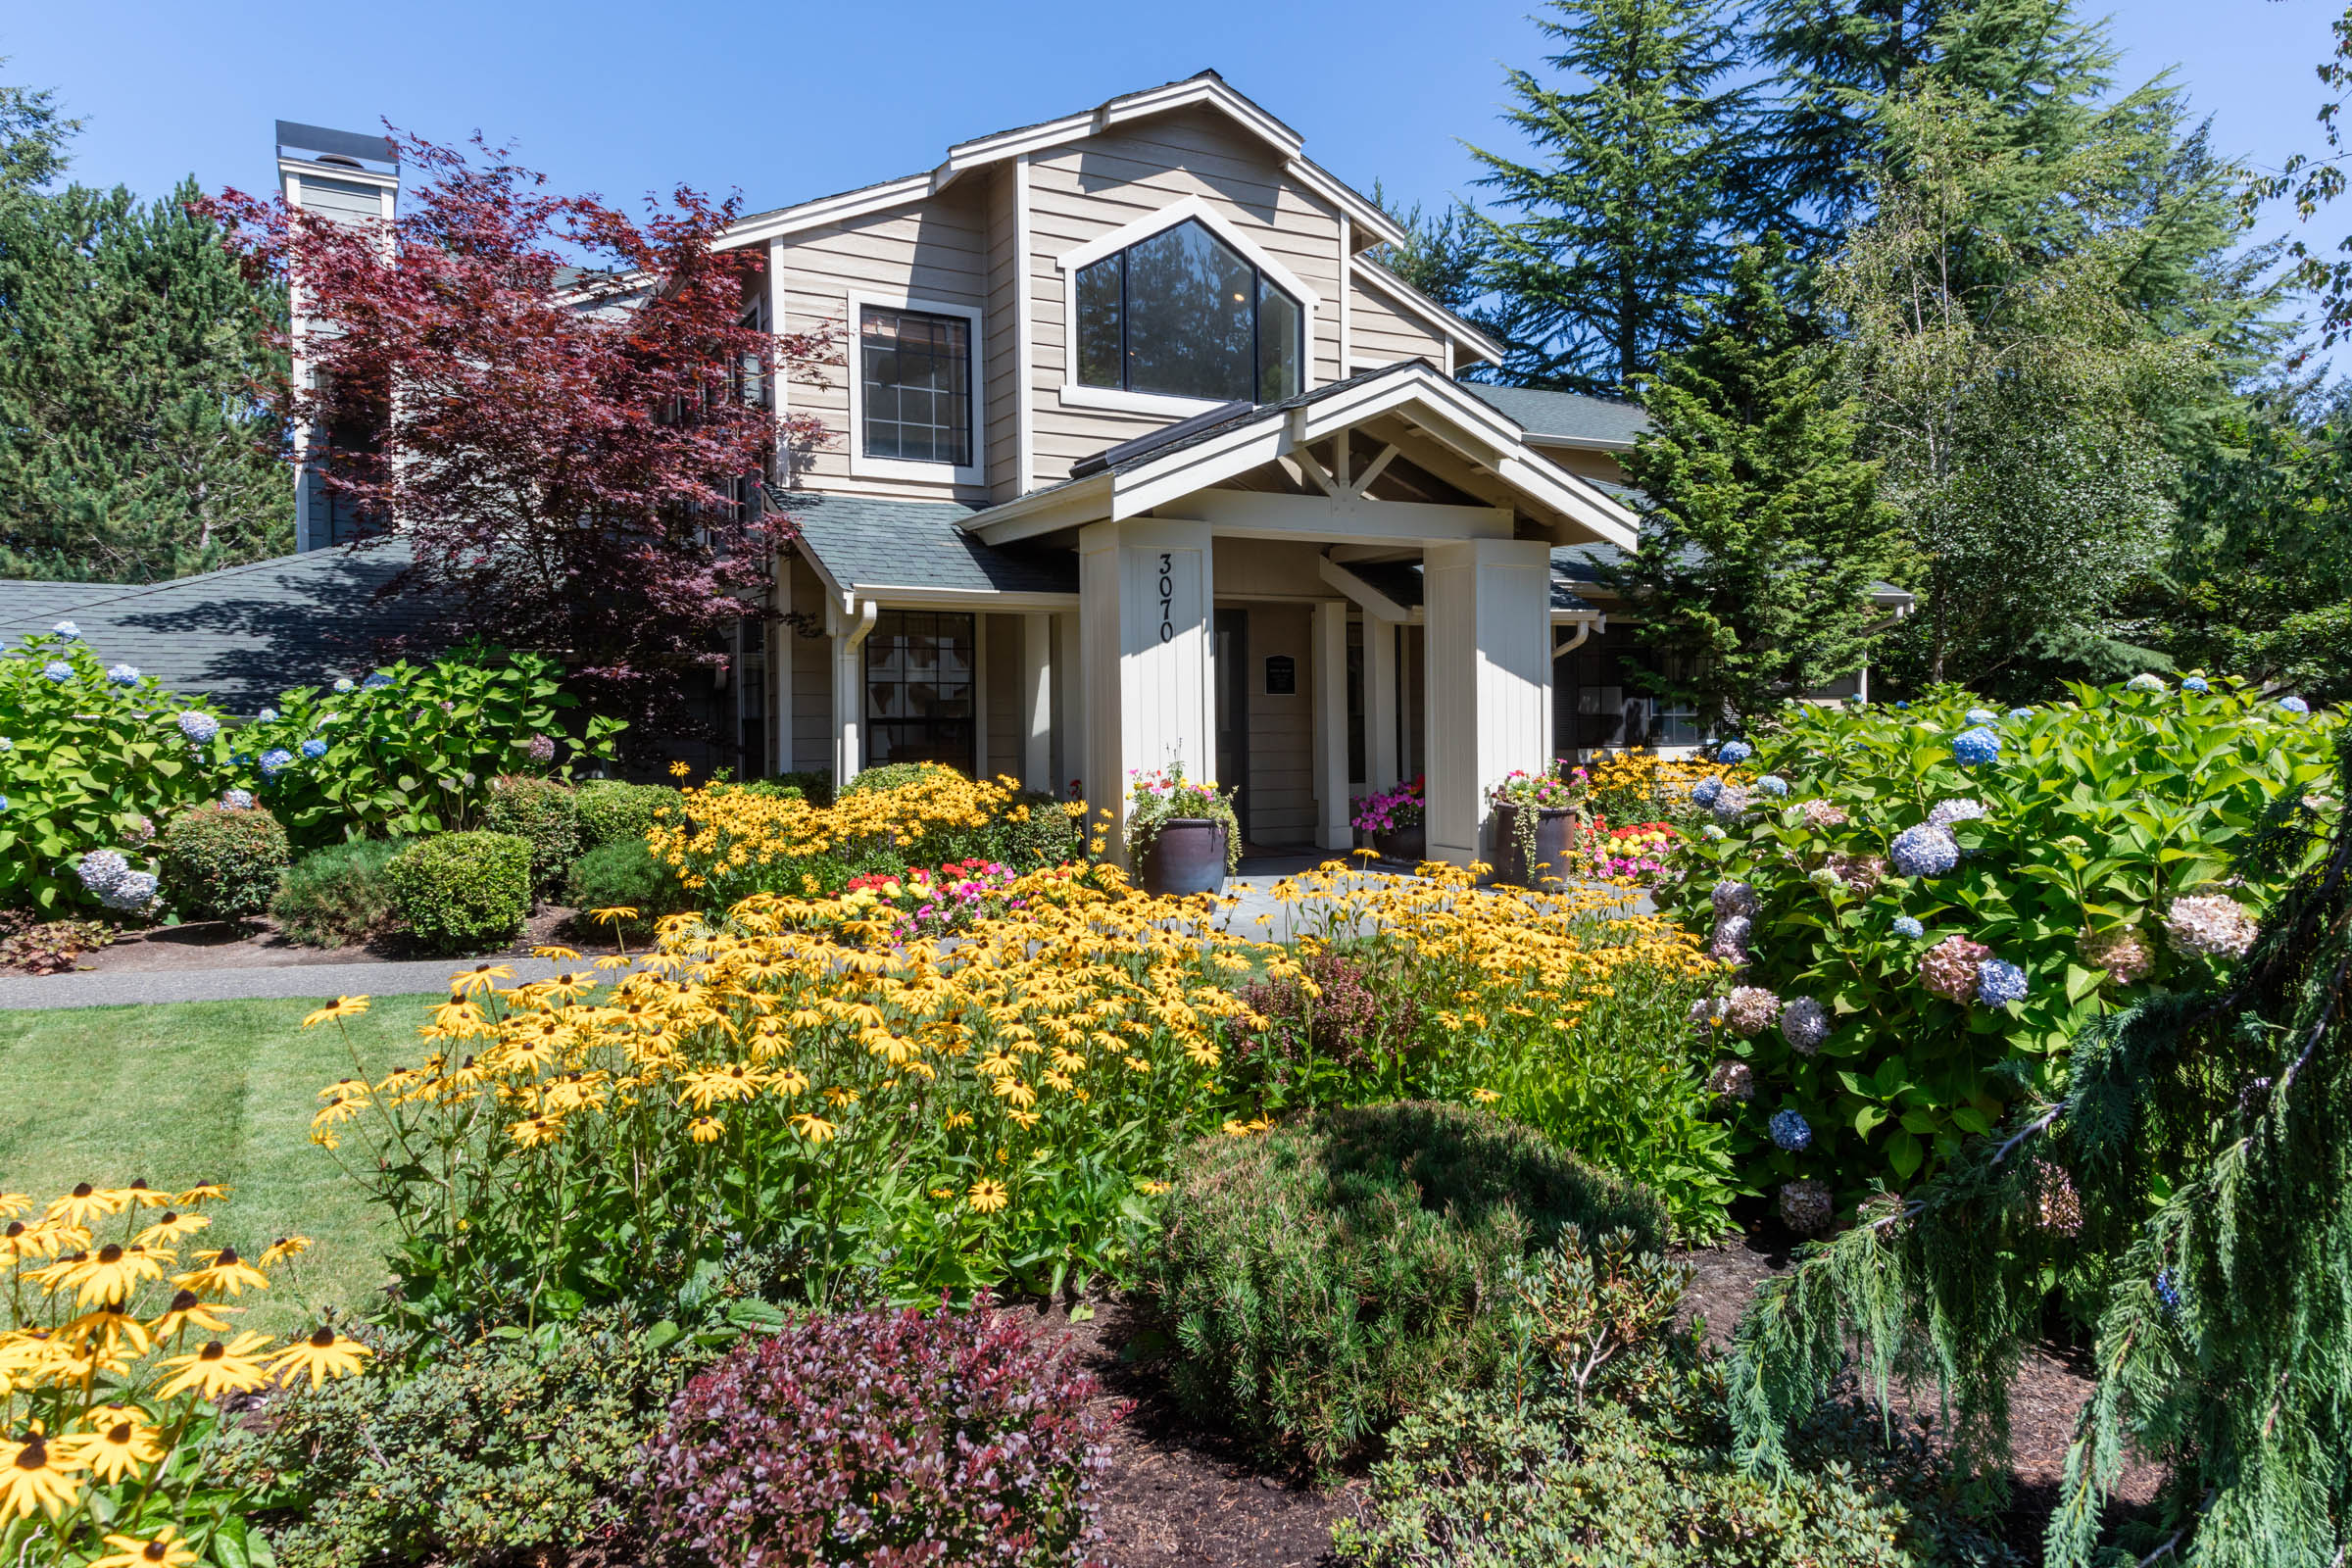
<point>1139,457</point>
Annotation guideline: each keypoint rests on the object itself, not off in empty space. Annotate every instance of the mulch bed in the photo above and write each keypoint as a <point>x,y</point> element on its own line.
<point>1180,1498</point>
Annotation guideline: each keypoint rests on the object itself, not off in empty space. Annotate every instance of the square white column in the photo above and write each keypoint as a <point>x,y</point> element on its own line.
<point>1487,655</point>
<point>1380,704</point>
<point>848,644</point>
<point>1070,702</point>
<point>1037,701</point>
<point>1330,655</point>
<point>1143,596</point>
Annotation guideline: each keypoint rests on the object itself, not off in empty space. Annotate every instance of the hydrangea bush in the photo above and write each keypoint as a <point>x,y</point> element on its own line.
<point>1945,895</point>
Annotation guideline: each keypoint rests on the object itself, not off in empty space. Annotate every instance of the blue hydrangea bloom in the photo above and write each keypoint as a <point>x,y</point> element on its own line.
<point>1944,814</point>
<point>67,629</point>
<point>1999,982</point>
<point>275,760</point>
<point>1734,752</point>
<point>1703,793</point>
<point>1711,831</point>
<point>3,802</point>
<point>380,678</point>
<point>237,799</point>
<point>2195,683</point>
<point>57,669</point>
<point>1923,851</point>
<point>2144,682</point>
<point>313,748</point>
<point>1908,929</point>
<point>1982,715</point>
<point>1973,747</point>
<point>2294,705</point>
<point>7,745</point>
<point>343,685</point>
<point>1903,705</point>
<point>197,726</point>
<point>1789,1130</point>
<point>1773,784</point>
<point>268,716</point>
<point>124,674</point>
<point>2020,714</point>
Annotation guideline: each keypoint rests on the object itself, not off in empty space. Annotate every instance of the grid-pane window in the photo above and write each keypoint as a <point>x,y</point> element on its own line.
<point>917,374</point>
<point>1184,314</point>
<point>919,689</point>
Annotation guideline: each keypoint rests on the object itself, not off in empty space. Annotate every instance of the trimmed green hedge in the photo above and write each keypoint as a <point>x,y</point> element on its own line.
<point>338,895</point>
<point>220,863</point>
<point>462,892</point>
<point>542,812</point>
<point>612,809</point>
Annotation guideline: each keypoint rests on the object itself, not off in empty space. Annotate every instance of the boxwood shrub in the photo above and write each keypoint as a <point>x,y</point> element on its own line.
<point>1322,1279</point>
<point>221,862</point>
<point>460,892</point>
<point>612,809</point>
<point>338,895</point>
<point>542,812</point>
<point>624,874</point>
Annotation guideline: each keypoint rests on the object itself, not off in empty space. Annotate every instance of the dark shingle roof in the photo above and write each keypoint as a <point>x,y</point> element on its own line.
<point>240,635</point>
<point>1564,416</point>
<point>867,542</point>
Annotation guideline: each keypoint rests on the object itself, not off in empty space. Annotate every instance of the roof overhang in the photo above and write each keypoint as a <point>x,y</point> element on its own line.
<point>1411,392</point>
<point>1417,304</point>
<point>1208,90</point>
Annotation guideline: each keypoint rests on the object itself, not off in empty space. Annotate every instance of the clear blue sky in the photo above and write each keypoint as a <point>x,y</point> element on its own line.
<point>799,98</point>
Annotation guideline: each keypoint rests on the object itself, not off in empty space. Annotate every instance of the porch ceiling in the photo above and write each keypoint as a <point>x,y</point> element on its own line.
<point>1447,437</point>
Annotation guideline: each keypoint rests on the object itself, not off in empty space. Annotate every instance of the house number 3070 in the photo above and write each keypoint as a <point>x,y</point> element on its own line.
<point>1168,598</point>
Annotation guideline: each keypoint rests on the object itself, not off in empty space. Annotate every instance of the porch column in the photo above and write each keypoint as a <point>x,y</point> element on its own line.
<point>1069,696</point>
<point>1037,701</point>
<point>1144,599</point>
<point>1380,704</point>
<point>1330,653</point>
<point>1486,654</point>
<point>781,637</point>
<point>850,628</point>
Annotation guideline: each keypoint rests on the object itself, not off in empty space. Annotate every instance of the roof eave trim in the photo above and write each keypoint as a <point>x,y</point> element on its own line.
<point>1580,443</point>
<point>1452,325</point>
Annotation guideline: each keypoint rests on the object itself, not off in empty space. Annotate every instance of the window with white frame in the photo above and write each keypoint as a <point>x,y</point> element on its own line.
<point>914,369</point>
<point>1183,314</point>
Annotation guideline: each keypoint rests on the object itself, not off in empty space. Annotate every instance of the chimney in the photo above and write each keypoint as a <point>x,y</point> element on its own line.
<point>350,177</point>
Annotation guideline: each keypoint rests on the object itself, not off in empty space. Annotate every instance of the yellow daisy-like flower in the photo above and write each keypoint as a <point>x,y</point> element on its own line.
<point>284,1247</point>
<point>85,1206</point>
<point>815,1129</point>
<point>613,960</point>
<point>322,1354</point>
<point>113,1272</point>
<point>340,1007</point>
<point>218,1368</point>
<point>189,1310</point>
<point>1154,1189</point>
<point>706,1130</point>
<point>36,1476</point>
<point>1484,1096</point>
<point>201,1193</point>
<point>224,1274</point>
<point>163,1550</point>
<point>119,1441</point>
<point>613,916</point>
<point>173,1227</point>
<point>680,770</point>
<point>480,980</point>
<point>560,955</point>
<point>987,1197</point>
<point>13,1205</point>
<point>536,1132</point>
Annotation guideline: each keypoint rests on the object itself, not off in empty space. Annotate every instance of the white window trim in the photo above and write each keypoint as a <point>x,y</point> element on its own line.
<point>1185,210</point>
<point>870,468</point>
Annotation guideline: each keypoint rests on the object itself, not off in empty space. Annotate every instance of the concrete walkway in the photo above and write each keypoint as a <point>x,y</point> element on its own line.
<point>1252,890</point>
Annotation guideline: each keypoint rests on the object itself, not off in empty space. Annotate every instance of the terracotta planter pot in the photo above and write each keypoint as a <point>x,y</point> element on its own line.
<point>1407,844</point>
<point>1555,843</point>
<point>1187,856</point>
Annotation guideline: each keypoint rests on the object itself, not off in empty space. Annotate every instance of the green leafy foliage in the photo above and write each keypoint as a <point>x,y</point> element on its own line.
<point>1321,1280</point>
<point>88,764</point>
<point>624,874</point>
<point>338,895</point>
<point>2098,814</point>
<point>541,811</point>
<point>415,747</point>
<point>894,776</point>
<point>611,810</point>
<point>221,862</point>
<point>460,892</point>
<point>2186,1193</point>
<point>501,1444</point>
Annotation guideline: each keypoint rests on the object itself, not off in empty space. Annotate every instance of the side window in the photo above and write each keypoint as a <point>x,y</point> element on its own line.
<point>1184,314</point>
<point>916,370</point>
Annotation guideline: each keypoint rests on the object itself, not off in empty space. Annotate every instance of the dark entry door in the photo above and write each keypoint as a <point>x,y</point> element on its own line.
<point>1233,710</point>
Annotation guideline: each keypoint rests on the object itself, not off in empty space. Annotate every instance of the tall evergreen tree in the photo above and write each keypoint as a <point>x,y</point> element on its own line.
<point>133,351</point>
<point>1635,198</point>
<point>1763,532</point>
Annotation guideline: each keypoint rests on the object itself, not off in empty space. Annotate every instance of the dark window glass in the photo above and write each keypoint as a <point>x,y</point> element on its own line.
<point>917,370</point>
<point>1182,313</point>
<point>919,689</point>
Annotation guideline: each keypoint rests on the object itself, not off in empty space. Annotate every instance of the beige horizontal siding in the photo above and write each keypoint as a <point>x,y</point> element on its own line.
<point>1377,330</point>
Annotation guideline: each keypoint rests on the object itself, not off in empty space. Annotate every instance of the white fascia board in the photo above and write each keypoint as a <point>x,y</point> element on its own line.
<point>824,573</point>
<point>1264,514</point>
<point>827,210</point>
<point>983,600</point>
<point>1429,309</point>
<point>1604,520</point>
<point>308,169</point>
<point>1578,443</point>
<point>1373,225</point>
<point>1042,511</point>
<point>1202,90</point>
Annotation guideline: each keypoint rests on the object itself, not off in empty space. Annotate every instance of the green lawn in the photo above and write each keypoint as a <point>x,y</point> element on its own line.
<point>189,1092</point>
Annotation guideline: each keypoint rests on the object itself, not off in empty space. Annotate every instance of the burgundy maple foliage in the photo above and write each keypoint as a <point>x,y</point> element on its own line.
<point>558,405</point>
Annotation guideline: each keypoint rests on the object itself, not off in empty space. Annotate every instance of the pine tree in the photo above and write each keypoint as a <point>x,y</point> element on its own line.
<point>133,356</point>
<point>1637,201</point>
<point>2192,1192</point>
<point>1763,533</point>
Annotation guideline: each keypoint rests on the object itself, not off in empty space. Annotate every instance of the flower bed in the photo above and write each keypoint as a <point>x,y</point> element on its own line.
<point>1923,905</point>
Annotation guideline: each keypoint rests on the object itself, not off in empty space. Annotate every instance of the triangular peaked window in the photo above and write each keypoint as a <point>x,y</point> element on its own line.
<point>1182,313</point>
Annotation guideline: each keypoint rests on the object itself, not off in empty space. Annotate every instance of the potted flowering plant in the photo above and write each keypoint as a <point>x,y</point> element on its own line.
<point>1537,816</point>
<point>1393,819</point>
<point>1182,837</point>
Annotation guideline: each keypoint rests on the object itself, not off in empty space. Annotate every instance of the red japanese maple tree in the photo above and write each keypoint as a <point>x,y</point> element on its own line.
<point>558,407</point>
